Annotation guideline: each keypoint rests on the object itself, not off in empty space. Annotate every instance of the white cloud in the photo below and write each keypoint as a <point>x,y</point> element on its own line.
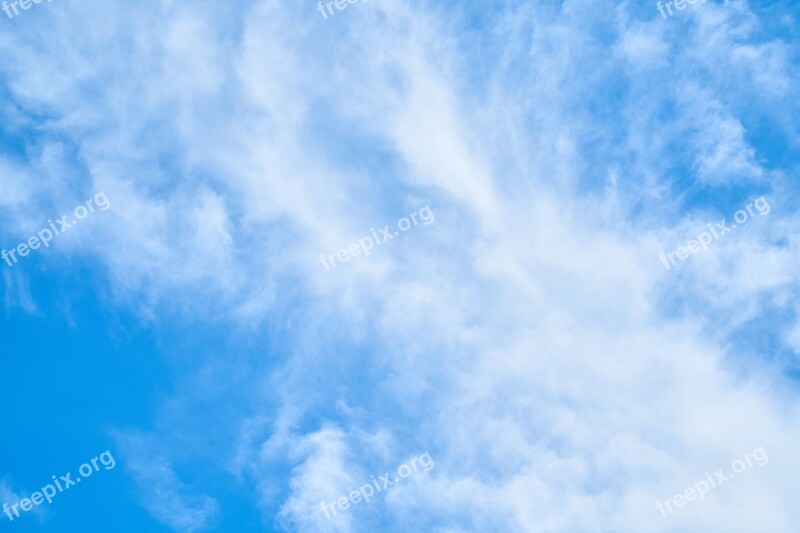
<point>162,493</point>
<point>529,339</point>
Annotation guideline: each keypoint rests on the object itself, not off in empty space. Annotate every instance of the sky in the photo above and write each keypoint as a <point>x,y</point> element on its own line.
<point>455,266</point>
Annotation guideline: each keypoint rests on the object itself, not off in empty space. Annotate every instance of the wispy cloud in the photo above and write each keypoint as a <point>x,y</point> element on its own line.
<point>163,494</point>
<point>529,340</point>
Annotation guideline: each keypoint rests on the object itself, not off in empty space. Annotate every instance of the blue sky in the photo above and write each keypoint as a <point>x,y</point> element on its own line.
<point>529,339</point>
